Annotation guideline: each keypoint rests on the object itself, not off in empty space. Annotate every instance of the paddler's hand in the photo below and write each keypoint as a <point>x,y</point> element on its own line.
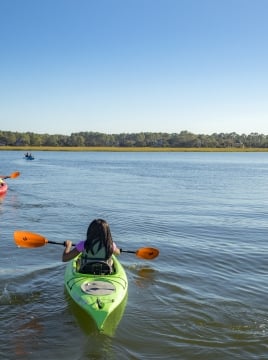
<point>68,252</point>
<point>68,245</point>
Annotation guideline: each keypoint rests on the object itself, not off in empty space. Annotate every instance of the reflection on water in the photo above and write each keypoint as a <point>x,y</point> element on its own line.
<point>2,198</point>
<point>31,329</point>
<point>144,276</point>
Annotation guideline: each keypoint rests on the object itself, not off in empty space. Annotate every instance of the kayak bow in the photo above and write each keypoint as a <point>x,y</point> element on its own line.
<point>97,295</point>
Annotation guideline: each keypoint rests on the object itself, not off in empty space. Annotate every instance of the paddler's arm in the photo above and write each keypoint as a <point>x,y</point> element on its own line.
<point>69,253</point>
<point>116,250</point>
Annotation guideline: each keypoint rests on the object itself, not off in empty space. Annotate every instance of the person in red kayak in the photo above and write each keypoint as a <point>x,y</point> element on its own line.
<point>99,245</point>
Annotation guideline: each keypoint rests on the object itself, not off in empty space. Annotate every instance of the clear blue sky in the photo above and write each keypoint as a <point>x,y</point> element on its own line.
<point>118,66</point>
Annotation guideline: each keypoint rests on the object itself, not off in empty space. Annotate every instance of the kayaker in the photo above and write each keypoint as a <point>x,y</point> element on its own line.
<point>99,245</point>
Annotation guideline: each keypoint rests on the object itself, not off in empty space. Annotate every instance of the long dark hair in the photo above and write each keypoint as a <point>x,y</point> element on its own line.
<point>99,232</point>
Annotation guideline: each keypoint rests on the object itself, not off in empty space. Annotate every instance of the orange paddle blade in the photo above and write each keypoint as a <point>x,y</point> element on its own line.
<point>11,176</point>
<point>28,239</point>
<point>147,253</point>
<point>14,175</point>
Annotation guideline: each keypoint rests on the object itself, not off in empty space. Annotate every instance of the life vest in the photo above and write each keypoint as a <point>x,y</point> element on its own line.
<point>97,253</point>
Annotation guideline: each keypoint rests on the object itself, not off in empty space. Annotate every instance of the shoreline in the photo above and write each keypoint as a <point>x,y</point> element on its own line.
<point>126,149</point>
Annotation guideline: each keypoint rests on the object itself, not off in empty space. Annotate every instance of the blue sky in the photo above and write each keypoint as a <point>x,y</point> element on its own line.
<point>127,66</point>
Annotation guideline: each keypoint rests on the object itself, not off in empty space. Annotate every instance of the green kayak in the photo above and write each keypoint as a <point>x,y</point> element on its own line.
<point>100,295</point>
<point>97,294</point>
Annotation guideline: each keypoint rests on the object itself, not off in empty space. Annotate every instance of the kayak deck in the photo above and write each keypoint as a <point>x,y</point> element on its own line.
<point>97,295</point>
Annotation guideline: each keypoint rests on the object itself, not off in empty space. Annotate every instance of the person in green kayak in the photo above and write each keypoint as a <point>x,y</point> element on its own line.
<point>99,245</point>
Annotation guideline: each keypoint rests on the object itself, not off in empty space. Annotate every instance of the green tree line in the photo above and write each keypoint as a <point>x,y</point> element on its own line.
<point>184,139</point>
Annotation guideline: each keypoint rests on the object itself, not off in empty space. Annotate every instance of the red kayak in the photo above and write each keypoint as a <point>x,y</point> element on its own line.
<point>3,188</point>
<point>3,185</point>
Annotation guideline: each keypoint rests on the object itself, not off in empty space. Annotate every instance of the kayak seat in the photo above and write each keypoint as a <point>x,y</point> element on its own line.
<point>96,268</point>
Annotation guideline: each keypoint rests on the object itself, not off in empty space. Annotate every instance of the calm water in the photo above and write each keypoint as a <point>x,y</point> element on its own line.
<point>204,297</point>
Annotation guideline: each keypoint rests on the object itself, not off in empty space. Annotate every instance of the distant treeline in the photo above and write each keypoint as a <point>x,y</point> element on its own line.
<point>184,139</point>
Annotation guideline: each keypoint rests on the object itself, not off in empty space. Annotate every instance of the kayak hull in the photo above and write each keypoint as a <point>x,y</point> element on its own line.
<point>3,188</point>
<point>98,295</point>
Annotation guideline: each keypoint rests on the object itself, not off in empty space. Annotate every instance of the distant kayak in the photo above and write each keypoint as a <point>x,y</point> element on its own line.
<point>29,157</point>
<point>3,188</point>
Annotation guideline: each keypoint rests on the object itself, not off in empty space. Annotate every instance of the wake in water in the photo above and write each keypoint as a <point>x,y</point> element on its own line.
<point>5,297</point>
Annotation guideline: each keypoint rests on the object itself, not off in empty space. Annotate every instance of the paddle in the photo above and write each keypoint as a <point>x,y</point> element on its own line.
<point>11,176</point>
<point>28,239</point>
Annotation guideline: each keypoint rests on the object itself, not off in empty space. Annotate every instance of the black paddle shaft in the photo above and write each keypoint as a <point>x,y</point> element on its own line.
<point>63,243</point>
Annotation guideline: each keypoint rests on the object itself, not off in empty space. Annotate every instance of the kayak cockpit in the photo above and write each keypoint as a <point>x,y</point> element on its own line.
<point>96,268</point>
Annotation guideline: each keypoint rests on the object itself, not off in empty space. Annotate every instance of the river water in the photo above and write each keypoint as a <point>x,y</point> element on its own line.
<point>204,297</point>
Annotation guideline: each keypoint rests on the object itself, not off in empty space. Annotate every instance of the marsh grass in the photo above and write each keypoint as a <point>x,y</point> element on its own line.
<point>127,149</point>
